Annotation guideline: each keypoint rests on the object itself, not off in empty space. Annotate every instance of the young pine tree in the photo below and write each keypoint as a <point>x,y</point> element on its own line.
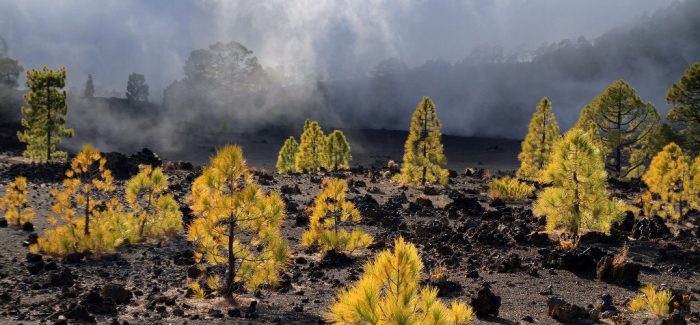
<point>578,200</point>
<point>622,123</point>
<point>331,210</point>
<point>423,152</point>
<point>338,151</point>
<point>670,177</point>
<point>158,214</point>
<point>286,159</point>
<point>312,155</point>
<point>92,221</point>
<point>237,225</point>
<point>389,292</point>
<point>44,119</point>
<point>14,203</point>
<point>539,141</point>
<point>694,186</point>
<point>685,97</point>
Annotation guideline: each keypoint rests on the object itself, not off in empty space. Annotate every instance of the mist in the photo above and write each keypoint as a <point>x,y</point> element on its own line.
<point>353,64</point>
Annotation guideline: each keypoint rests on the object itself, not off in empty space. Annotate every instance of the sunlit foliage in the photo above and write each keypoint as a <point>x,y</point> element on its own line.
<point>423,153</point>
<point>14,202</point>
<point>45,117</point>
<point>312,155</point>
<point>508,188</point>
<point>338,151</point>
<point>331,210</point>
<point>237,225</point>
<point>578,199</point>
<point>654,301</point>
<point>157,213</point>
<point>389,293</point>
<point>537,146</point>
<point>286,159</point>
<point>670,176</point>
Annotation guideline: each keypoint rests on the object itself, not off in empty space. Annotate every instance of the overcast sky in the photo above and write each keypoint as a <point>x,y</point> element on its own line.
<point>325,38</point>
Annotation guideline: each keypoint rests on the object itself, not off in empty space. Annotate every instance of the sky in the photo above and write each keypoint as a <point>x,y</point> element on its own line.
<point>325,39</point>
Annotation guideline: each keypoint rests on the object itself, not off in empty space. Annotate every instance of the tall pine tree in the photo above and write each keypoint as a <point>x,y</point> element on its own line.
<point>89,88</point>
<point>539,142</point>
<point>423,153</point>
<point>44,119</point>
<point>338,151</point>
<point>286,159</point>
<point>685,97</point>
<point>578,200</point>
<point>312,155</point>
<point>623,124</point>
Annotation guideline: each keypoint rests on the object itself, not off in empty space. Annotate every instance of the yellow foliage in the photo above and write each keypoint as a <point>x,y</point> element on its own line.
<point>578,200</point>
<point>237,225</point>
<point>14,203</point>
<point>197,291</point>
<point>389,293</point>
<point>423,152</point>
<point>92,221</point>
<point>537,146</point>
<point>670,176</point>
<point>158,214</point>
<point>654,301</point>
<point>331,210</point>
<point>509,188</point>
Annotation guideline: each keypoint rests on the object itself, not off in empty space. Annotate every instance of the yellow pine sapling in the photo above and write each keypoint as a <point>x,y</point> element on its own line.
<point>45,116</point>
<point>338,151</point>
<point>537,146</point>
<point>331,210</point>
<point>286,159</point>
<point>670,176</point>
<point>389,292</point>
<point>157,213</point>
<point>508,188</point>
<point>236,225</point>
<point>578,200</point>
<point>622,124</point>
<point>694,186</point>
<point>312,155</point>
<point>92,221</point>
<point>654,301</point>
<point>14,203</point>
<point>423,153</point>
<point>686,106</point>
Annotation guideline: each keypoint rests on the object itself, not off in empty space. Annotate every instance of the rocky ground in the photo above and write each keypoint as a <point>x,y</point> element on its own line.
<point>494,254</point>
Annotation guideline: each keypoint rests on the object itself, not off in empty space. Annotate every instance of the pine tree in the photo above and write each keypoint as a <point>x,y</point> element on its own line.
<point>286,159</point>
<point>45,116</point>
<point>539,141</point>
<point>237,225</point>
<point>423,152</point>
<point>92,220</point>
<point>685,97</point>
<point>86,188</point>
<point>14,203</point>
<point>312,155</point>
<point>622,123</point>
<point>89,88</point>
<point>578,200</point>
<point>136,88</point>
<point>389,292</point>
<point>158,214</point>
<point>338,151</point>
<point>694,186</point>
<point>331,210</point>
<point>670,177</point>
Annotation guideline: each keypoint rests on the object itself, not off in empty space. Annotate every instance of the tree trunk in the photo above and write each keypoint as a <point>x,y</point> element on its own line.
<point>231,273</point>
<point>87,214</point>
<point>49,125</point>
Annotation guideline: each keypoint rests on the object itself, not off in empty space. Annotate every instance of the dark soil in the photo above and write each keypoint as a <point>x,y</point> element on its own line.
<point>495,253</point>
